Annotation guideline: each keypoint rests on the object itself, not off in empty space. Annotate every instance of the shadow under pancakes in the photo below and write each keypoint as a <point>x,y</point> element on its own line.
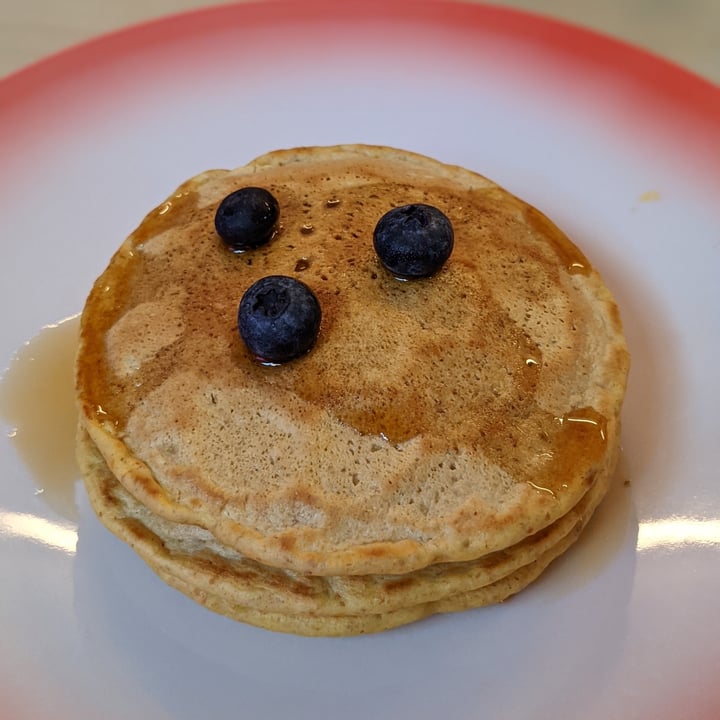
<point>584,596</point>
<point>139,628</point>
<point>175,655</point>
<point>612,532</point>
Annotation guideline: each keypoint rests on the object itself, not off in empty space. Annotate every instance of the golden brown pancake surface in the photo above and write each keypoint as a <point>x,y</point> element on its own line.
<point>435,420</point>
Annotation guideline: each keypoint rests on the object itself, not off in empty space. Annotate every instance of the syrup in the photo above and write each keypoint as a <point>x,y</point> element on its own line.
<point>571,256</point>
<point>588,417</point>
<point>37,398</point>
<point>580,435</point>
<point>172,213</point>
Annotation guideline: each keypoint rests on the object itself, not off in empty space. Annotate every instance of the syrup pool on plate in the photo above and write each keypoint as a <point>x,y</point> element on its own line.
<point>37,400</point>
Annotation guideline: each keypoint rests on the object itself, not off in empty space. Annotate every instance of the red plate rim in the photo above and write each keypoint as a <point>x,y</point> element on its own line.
<point>660,78</point>
<point>673,113</point>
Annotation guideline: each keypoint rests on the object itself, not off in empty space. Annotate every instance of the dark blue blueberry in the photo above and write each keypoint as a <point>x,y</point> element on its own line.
<point>413,241</point>
<point>247,218</point>
<point>278,318</point>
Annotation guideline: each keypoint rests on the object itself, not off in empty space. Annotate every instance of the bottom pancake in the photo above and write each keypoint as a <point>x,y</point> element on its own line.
<point>346,625</point>
<point>193,561</point>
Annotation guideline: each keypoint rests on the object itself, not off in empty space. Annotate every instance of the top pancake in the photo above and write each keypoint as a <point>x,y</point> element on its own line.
<point>434,421</point>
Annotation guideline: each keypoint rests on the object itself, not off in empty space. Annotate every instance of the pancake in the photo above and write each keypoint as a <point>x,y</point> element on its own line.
<point>347,625</point>
<point>196,560</point>
<point>434,421</point>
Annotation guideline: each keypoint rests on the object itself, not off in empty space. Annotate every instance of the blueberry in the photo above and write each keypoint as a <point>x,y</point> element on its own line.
<point>278,318</point>
<point>413,241</point>
<point>247,218</point>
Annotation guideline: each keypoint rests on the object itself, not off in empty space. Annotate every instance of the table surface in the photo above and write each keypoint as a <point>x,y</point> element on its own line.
<point>686,32</point>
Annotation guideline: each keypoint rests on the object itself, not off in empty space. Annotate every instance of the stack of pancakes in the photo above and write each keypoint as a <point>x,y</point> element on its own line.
<point>441,444</point>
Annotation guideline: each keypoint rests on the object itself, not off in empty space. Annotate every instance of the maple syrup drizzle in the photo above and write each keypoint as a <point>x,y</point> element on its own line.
<point>570,255</point>
<point>581,439</point>
<point>37,397</point>
<point>587,416</point>
<point>168,215</point>
<point>540,488</point>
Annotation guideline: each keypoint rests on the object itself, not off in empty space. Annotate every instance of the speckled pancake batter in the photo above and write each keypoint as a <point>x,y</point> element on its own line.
<point>434,421</point>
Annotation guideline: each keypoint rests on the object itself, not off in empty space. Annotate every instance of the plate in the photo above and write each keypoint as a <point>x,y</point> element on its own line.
<point>617,146</point>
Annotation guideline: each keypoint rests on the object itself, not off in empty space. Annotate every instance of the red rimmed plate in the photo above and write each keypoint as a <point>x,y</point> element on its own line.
<point>619,147</point>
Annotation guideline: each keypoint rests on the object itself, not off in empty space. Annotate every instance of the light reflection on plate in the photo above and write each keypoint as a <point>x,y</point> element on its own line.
<point>55,535</point>
<point>678,532</point>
